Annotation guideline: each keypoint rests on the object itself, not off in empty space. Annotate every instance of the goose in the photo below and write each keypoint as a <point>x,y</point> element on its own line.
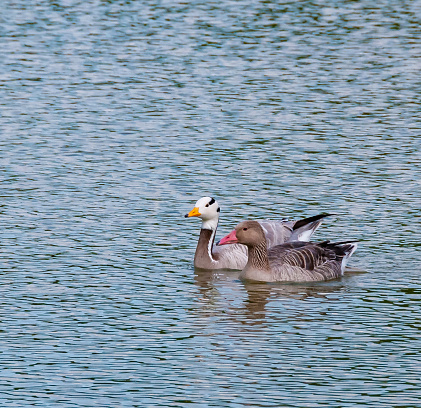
<point>209,256</point>
<point>289,262</point>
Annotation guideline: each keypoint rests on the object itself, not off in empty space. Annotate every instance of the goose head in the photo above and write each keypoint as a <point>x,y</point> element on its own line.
<point>249,233</point>
<point>207,208</point>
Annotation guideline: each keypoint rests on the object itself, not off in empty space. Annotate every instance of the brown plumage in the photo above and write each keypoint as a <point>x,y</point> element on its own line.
<point>289,262</point>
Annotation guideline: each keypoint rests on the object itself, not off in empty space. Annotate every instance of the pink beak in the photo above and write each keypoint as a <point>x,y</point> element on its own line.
<point>231,238</point>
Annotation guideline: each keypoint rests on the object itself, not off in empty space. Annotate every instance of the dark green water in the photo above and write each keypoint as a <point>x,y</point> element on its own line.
<point>116,116</point>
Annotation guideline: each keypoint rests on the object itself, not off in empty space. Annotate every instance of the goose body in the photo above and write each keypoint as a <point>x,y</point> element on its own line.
<point>289,262</point>
<point>210,256</point>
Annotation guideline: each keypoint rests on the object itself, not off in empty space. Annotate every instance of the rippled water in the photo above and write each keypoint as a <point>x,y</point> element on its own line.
<point>116,116</point>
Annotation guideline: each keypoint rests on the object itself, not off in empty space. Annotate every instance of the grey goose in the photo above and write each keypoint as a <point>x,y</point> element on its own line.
<point>289,262</point>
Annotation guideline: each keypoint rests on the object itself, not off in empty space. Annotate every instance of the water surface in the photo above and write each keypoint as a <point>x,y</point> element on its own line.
<point>117,116</point>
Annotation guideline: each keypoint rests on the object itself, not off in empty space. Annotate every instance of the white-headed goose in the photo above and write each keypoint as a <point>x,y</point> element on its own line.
<point>289,262</point>
<point>209,256</point>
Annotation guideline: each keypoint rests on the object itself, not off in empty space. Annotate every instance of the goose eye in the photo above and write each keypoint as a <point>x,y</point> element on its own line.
<point>244,229</point>
<point>207,205</point>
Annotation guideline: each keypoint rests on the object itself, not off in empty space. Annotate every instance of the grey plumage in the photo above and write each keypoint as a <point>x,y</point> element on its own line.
<point>209,256</point>
<point>291,261</point>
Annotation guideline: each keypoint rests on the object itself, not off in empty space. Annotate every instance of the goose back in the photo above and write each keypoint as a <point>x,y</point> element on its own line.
<point>302,262</point>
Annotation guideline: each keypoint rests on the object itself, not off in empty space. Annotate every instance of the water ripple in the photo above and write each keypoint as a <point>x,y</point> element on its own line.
<point>117,116</point>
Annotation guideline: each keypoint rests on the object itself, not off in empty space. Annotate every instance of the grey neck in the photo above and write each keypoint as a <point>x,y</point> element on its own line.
<point>258,256</point>
<point>203,254</point>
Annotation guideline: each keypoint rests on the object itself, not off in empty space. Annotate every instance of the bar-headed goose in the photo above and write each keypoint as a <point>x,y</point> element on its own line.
<point>209,256</point>
<point>289,262</point>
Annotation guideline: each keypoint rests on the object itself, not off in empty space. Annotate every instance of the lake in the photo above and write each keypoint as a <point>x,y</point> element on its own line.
<point>116,116</point>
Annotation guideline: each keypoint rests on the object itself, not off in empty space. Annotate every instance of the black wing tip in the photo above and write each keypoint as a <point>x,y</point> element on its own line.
<point>305,221</point>
<point>341,248</point>
<point>354,241</point>
<point>329,242</point>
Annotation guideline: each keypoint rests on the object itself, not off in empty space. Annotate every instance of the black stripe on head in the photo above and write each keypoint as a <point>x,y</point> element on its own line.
<point>211,201</point>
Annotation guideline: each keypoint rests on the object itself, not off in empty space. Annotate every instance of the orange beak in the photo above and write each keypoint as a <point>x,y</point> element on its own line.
<point>193,213</point>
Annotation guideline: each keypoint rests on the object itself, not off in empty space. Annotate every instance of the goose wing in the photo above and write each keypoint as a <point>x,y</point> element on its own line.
<point>305,255</point>
<point>279,232</point>
<point>276,232</point>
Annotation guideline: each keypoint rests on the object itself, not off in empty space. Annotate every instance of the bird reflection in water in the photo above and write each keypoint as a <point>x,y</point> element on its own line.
<point>253,307</point>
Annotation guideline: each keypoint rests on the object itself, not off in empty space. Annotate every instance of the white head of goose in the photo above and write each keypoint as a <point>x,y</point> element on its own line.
<point>209,256</point>
<point>289,262</point>
<point>207,209</point>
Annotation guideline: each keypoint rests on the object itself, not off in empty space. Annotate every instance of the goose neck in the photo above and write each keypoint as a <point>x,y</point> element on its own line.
<point>258,256</point>
<point>204,254</point>
<point>211,224</point>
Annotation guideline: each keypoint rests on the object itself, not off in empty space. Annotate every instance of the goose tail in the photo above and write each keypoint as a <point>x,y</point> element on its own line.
<point>343,250</point>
